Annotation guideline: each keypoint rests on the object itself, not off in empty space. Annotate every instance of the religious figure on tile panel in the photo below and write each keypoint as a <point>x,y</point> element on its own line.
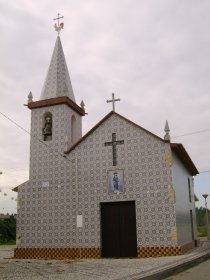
<point>115,181</point>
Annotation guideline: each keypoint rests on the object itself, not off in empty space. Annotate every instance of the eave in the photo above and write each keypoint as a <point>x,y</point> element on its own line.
<point>57,101</point>
<point>182,154</point>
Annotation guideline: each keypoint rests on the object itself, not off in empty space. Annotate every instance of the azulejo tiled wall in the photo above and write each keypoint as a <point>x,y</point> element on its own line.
<point>147,177</point>
<point>62,188</point>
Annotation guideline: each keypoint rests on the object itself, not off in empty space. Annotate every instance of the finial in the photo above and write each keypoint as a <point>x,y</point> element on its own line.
<point>58,26</point>
<point>30,97</point>
<point>82,105</point>
<point>167,136</point>
<point>113,100</point>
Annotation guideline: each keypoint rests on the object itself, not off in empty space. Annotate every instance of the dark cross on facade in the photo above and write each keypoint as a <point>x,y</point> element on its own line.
<point>113,100</point>
<point>114,143</point>
<point>58,18</point>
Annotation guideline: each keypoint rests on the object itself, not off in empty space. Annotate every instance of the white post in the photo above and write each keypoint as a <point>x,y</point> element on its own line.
<point>207,218</point>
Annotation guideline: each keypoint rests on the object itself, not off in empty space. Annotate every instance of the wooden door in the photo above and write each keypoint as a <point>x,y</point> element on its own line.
<point>118,229</point>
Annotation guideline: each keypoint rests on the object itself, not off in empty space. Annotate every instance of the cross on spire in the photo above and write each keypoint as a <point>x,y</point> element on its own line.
<point>113,100</point>
<point>58,26</point>
<point>114,143</point>
<point>58,18</point>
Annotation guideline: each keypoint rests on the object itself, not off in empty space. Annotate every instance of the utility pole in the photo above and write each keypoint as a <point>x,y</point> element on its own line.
<point>207,218</point>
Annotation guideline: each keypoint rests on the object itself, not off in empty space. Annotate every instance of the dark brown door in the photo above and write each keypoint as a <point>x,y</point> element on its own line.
<point>118,229</point>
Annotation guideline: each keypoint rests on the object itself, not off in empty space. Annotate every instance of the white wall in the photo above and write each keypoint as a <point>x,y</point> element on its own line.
<point>183,206</point>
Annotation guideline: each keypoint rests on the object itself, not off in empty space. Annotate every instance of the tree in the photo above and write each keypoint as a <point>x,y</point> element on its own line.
<point>8,229</point>
<point>201,216</point>
<point>3,232</point>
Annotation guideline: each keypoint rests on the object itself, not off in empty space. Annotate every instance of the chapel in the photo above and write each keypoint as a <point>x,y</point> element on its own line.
<point>118,191</point>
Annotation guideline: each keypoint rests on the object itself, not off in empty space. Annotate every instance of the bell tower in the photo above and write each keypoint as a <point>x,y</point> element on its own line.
<point>56,119</point>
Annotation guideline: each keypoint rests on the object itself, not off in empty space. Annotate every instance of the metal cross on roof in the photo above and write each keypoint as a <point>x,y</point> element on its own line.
<point>58,26</point>
<point>113,100</point>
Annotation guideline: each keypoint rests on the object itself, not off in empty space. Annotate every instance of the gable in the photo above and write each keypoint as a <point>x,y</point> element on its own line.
<point>17,188</point>
<point>123,120</point>
<point>144,134</point>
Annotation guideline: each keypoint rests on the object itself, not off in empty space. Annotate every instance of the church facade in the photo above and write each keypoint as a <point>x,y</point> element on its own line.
<point>118,191</point>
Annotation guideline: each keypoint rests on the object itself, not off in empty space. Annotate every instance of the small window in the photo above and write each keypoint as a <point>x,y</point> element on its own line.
<point>189,190</point>
<point>47,127</point>
<point>73,129</point>
<point>192,225</point>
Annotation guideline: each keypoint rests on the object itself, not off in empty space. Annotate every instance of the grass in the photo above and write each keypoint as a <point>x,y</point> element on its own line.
<point>202,232</point>
<point>8,243</point>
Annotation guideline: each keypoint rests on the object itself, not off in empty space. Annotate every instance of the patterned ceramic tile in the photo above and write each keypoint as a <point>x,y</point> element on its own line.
<point>62,188</point>
<point>58,81</point>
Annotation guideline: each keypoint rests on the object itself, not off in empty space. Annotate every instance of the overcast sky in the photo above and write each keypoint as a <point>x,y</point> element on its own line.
<point>153,54</point>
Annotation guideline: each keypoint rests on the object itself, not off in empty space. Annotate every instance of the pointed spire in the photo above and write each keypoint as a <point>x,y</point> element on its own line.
<point>167,136</point>
<point>58,81</point>
<point>30,97</point>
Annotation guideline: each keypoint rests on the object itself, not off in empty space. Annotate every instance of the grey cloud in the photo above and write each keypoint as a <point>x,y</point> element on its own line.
<point>154,55</point>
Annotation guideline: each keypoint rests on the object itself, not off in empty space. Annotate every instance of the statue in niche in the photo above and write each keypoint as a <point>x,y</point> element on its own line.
<point>47,129</point>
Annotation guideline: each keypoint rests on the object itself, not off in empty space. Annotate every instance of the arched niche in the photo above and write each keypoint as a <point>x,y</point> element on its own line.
<point>73,129</point>
<point>47,126</point>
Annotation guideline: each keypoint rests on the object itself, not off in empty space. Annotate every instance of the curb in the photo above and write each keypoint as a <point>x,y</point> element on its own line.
<point>176,269</point>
